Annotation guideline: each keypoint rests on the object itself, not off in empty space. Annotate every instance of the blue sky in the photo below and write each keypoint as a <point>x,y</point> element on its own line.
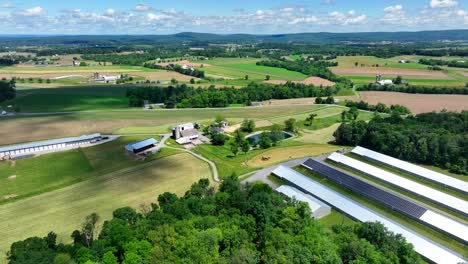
<point>222,16</point>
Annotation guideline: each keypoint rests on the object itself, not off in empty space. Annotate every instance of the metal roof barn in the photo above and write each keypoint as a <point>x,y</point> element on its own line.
<point>141,145</point>
<point>444,199</point>
<point>415,170</point>
<point>39,144</point>
<point>395,202</point>
<point>424,246</point>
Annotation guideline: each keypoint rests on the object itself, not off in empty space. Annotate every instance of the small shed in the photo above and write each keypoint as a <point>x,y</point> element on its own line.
<point>141,145</point>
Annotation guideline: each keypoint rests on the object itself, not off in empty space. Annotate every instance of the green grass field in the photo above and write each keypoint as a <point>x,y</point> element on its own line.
<point>457,79</point>
<point>237,68</point>
<point>57,170</point>
<point>31,128</point>
<point>63,210</point>
<point>393,215</point>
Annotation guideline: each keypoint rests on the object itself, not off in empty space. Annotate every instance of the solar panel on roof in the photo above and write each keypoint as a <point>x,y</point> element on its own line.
<point>451,227</point>
<point>416,170</point>
<point>429,193</point>
<point>427,248</point>
<point>395,202</point>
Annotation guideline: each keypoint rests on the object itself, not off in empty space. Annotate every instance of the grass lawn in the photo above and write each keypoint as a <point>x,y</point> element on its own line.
<point>281,154</point>
<point>379,208</point>
<point>63,210</point>
<point>57,170</point>
<point>335,218</point>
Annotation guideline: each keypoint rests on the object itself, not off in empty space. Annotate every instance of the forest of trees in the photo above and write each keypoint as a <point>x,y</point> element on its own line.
<point>439,139</point>
<point>236,224</point>
<point>183,96</point>
<point>451,63</point>
<point>420,89</point>
<point>7,90</point>
<point>380,107</point>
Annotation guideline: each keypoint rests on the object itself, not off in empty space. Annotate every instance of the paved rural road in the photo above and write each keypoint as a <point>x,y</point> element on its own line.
<point>262,174</point>
<point>214,169</point>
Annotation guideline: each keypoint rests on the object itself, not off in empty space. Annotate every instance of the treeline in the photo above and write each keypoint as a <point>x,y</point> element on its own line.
<point>310,68</point>
<point>416,89</point>
<point>237,224</point>
<point>183,96</point>
<point>177,68</point>
<point>439,139</point>
<point>452,63</point>
<point>7,90</point>
<point>380,107</point>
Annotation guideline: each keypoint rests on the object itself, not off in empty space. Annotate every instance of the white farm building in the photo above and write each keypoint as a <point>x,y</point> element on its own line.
<point>48,145</point>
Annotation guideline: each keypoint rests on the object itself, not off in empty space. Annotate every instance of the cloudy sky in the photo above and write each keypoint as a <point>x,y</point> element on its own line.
<point>228,16</point>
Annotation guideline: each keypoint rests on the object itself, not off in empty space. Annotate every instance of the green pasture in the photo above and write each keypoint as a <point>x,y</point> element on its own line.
<point>69,99</point>
<point>63,210</point>
<point>238,68</point>
<point>57,170</point>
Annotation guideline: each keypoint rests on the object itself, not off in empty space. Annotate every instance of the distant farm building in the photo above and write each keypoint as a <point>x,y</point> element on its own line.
<point>48,145</point>
<point>378,80</point>
<point>141,146</point>
<point>104,78</point>
<point>185,133</point>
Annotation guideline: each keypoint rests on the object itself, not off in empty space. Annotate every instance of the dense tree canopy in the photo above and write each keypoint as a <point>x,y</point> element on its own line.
<point>184,97</point>
<point>237,224</point>
<point>431,138</point>
<point>7,90</point>
<point>421,89</point>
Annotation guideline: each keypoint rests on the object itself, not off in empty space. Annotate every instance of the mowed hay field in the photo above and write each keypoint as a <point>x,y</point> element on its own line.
<point>63,210</point>
<point>238,68</point>
<point>40,127</point>
<point>418,103</point>
<point>281,154</point>
<point>86,72</point>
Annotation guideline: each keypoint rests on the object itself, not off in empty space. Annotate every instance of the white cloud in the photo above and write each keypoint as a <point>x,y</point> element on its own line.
<point>157,17</point>
<point>392,9</point>
<point>462,13</point>
<point>7,5</point>
<point>306,20</point>
<point>348,18</point>
<point>395,15</point>
<point>442,3</point>
<point>31,12</point>
<point>142,8</point>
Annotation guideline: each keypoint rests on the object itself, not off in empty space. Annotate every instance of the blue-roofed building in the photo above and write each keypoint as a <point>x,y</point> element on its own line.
<point>140,146</point>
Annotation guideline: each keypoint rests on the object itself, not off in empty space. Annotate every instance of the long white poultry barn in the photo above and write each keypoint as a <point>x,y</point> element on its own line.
<point>427,248</point>
<point>54,144</point>
<point>412,169</point>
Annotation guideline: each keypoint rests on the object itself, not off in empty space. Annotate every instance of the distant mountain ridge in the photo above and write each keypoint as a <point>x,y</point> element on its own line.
<point>319,37</point>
